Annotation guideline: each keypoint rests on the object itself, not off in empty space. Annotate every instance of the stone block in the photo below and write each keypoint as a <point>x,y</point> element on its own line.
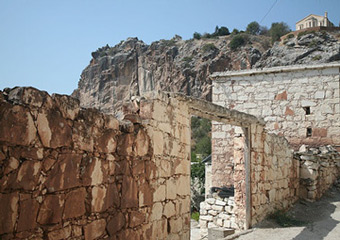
<point>28,214</point>
<point>64,173</point>
<point>99,200</point>
<point>107,142</point>
<point>207,218</point>
<point>16,126</point>
<point>145,195</point>
<point>176,225</point>
<point>129,193</point>
<point>210,201</point>
<point>217,208</point>
<point>213,212</point>
<point>160,193</point>
<point>169,209</point>
<point>75,203</point>
<point>220,203</point>
<point>157,212</point>
<point>53,129</point>
<point>60,234</point>
<point>51,210</point>
<point>8,211</point>
<point>125,144</point>
<point>95,229</point>
<point>142,143</point>
<point>13,164</point>
<point>183,185</point>
<point>28,175</point>
<point>115,224</point>
<point>158,143</point>
<point>136,218</point>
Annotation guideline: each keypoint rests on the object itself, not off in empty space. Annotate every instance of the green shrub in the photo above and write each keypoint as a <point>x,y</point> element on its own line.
<point>316,58</point>
<point>195,216</point>
<point>313,44</point>
<point>209,47</point>
<point>197,35</point>
<point>237,41</point>
<point>222,31</point>
<point>235,31</point>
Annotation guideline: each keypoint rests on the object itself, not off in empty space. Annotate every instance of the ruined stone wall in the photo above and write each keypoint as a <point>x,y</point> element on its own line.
<point>319,169</point>
<point>299,102</point>
<point>71,173</point>
<point>273,179</point>
<point>274,174</point>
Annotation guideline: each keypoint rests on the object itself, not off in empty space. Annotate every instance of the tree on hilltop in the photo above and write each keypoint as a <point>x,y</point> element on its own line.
<point>253,28</point>
<point>277,30</point>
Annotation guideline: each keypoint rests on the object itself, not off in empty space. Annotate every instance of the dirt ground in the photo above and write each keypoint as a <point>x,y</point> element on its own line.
<point>321,222</point>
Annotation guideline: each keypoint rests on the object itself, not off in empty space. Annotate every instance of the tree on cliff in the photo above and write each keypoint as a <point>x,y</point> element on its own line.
<point>277,30</point>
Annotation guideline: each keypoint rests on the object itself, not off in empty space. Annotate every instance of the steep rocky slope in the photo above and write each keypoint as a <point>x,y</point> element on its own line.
<point>133,67</point>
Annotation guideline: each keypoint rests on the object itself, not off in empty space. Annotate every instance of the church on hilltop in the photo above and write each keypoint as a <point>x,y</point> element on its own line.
<point>313,20</point>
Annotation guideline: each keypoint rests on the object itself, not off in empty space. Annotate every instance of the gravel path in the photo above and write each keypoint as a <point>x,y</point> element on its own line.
<point>323,219</point>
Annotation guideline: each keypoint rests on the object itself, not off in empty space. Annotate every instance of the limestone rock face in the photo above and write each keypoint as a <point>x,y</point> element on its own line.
<point>311,48</point>
<point>132,68</point>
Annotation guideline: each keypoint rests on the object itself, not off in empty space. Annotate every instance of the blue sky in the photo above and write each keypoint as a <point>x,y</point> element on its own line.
<point>47,43</point>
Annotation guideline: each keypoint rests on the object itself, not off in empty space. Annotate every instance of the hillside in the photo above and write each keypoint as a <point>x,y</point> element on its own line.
<point>133,67</point>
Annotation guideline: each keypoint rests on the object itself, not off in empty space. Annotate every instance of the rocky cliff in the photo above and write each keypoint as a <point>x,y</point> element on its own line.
<point>132,67</point>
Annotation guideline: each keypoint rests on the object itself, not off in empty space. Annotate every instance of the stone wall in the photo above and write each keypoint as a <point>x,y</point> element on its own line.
<point>319,169</point>
<point>72,173</point>
<point>299,102</point>
<point>274,174</point>
<point>273,179</point>
<point>217,212</point>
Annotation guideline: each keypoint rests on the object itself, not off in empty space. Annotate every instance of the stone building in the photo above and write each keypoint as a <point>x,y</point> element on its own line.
<point>299,103</point>
<point>313,20</point>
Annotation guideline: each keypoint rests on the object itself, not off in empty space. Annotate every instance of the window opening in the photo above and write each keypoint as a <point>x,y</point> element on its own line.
<point>307,110</point>
<point>309,132</point>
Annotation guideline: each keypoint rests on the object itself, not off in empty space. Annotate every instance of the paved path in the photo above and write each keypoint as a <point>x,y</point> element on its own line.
<point>194,230</point>
<point>323,217</point>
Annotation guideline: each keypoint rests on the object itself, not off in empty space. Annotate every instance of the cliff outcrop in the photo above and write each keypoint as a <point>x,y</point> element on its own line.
<point>132,67</point>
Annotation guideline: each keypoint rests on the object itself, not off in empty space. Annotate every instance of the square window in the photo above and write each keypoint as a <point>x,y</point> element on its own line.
<point>307,110</point>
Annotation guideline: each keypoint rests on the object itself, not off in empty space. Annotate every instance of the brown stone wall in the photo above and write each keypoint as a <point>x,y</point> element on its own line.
<point>72,173</point>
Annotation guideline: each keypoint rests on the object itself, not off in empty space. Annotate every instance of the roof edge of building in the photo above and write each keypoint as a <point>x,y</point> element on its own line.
<point>281,69</point>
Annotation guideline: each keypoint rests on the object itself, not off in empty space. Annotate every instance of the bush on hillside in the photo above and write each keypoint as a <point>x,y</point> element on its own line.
<point>237,41</point>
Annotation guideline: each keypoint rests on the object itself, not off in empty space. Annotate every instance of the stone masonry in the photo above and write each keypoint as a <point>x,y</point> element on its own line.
<point>301,103</point>
<point>319,169</point>
<point>72,173</point>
